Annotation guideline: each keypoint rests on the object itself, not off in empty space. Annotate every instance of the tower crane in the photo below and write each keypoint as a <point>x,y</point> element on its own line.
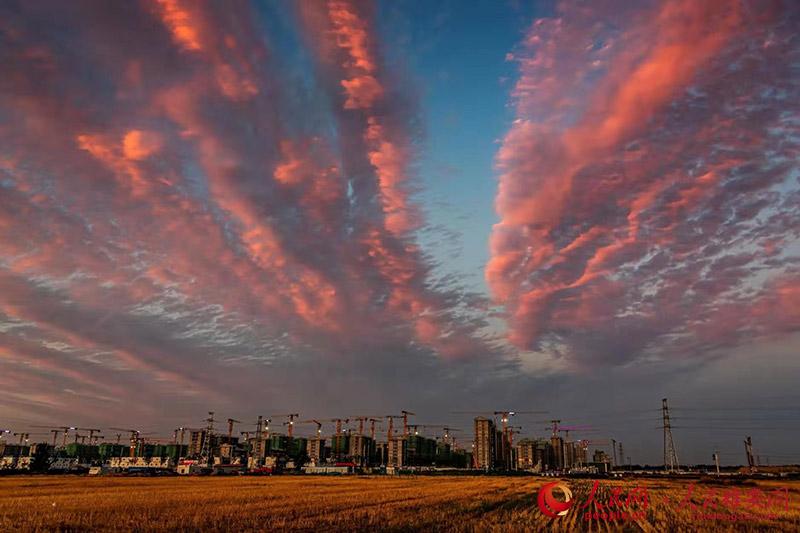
<point>390,429</point>
<point>56,430</point>
<point>207,450</point>
<point>372,427</point>
<point>505,416</point>
<point>313,421</point>
<point>231,422</point>
<point>361,419</point>
<point>259,439</point>
<point>36,435</point>
<point>91,431</point>
<point>511,431</point>
<point>405,421</point>
<point>319,422</point>
<point>264,428</point>
<point>414,427</point>
<point>556,428</point>
<point>289,423</point>
<point>339,424</point>
<point>447,431</point>
<point>135,437</point>
<point>180,434</point>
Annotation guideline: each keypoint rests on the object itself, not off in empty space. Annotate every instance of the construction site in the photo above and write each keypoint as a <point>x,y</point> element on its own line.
<point>389,444</point>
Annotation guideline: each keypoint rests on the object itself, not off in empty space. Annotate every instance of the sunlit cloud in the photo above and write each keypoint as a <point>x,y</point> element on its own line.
<point>165,213</point>
<point>647,181</point>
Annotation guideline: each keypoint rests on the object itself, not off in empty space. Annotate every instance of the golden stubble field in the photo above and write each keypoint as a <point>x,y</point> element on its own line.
<point>64,503</point>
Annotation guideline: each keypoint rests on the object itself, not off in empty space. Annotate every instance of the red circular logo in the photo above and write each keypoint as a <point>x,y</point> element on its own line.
<point>548,503</point>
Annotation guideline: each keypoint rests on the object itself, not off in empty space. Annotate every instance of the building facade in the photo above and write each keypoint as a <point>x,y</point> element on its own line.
<point>396,452</point>
<point>484,445</point>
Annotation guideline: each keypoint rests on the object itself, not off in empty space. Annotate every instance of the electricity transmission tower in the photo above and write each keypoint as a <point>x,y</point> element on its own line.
<point>670,454</point>
<point>613,453</point>
<point>748,449</point>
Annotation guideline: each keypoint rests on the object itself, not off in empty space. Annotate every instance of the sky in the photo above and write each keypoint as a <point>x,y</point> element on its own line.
<point>351,208</point>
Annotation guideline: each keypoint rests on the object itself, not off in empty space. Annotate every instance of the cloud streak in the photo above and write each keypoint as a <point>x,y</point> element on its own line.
<point>167,212</point>
<point>645,185</point>
<point>214,207</point>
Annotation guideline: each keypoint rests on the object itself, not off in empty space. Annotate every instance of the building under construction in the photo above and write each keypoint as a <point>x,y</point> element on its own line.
<point>346,449</point>
<point>492,447</point>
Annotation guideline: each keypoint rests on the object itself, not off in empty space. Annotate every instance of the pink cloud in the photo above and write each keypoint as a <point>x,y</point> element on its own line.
<point>186,215</point>
<point>627,160</point>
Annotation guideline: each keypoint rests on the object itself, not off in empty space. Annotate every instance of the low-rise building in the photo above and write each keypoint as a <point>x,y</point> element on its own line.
<point>329,469</point>
<point>190,467</point>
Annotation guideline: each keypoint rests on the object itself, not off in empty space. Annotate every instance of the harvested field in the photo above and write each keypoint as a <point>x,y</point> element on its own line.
<point>65,503</point>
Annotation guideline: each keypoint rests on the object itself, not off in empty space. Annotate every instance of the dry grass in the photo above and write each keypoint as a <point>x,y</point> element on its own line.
<point>338,504</point>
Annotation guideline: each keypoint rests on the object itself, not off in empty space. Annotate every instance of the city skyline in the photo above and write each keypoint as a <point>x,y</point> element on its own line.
<point>360,207</point>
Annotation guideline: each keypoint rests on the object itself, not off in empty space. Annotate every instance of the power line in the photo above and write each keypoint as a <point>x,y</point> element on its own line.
<point>736,409</point>
<point>738,428</point>
<point>739,418</point>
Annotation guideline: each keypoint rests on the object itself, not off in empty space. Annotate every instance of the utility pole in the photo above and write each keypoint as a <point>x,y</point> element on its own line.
<point>621,455</point>
<point>670,453</point>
